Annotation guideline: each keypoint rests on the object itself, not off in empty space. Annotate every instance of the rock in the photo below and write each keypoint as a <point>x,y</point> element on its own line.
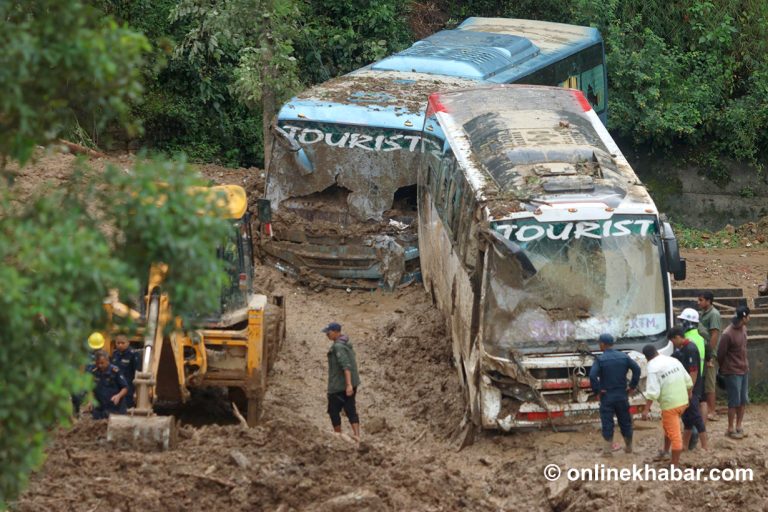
<point>359,500</point>
<point>730,229</point>
<point>376,424</point>
<point>240,459</point>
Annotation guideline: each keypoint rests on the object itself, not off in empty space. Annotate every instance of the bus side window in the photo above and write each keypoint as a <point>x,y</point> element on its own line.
<point>593,86</point>
<point>448,204</point>
<point>455,205</point>
<point>464,239</point>
<point>445,177</point>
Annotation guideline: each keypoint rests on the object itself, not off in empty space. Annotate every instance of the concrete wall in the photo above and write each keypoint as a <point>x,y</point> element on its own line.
<point>690,198</point>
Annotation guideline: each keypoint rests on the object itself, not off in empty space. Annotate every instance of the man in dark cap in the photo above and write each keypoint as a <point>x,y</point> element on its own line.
<point>734,366</point>
<point>343,380</point>
<point>608,378</point>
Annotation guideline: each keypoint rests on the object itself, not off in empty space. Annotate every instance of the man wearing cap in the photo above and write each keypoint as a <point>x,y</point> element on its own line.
<point>110,387</point>
<point>608,378</point>
<point>709,328</point>
<point>734,366</point>
<point>343,380</point>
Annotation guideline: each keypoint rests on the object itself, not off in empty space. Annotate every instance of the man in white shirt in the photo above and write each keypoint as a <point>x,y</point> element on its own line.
<point>669,383</point>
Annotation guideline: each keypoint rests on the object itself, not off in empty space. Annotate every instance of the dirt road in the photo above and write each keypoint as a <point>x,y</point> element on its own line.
<point>410,405</point>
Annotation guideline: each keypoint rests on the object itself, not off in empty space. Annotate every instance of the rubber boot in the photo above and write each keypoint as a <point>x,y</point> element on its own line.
<point>608,449</point>
<point>627,445</point>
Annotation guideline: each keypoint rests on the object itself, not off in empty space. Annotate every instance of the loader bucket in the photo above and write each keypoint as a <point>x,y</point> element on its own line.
<point>142,433</point>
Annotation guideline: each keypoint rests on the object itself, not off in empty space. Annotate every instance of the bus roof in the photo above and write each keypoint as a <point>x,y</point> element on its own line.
<point>498,50</point>
<point>385,99</point>
<point>392,93</point>
<point>534,145</point>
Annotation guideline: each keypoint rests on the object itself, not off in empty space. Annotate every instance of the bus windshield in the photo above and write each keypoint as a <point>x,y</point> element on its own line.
<point>587,277</point>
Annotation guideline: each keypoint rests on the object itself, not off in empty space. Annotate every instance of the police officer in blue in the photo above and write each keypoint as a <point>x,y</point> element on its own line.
<point>128,361</point>
<point>608,378</point>
<point>111,387</point>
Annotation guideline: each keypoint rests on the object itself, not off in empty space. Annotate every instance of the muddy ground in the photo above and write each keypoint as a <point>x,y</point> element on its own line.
<point>410,405</point>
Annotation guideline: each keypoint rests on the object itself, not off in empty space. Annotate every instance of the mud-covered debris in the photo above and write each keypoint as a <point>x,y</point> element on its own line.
<point>359,500</point>
<point>240,459</point>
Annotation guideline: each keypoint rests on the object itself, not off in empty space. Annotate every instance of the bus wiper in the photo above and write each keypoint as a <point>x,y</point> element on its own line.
<point>510,248</point>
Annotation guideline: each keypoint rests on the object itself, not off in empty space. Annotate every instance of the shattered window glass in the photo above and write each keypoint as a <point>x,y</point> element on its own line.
<point>590,277</point>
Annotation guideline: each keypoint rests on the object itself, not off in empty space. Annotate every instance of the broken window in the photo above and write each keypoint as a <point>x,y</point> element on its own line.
<point>589,278</point>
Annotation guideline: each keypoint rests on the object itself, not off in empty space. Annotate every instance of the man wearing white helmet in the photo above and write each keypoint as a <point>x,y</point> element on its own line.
<point>689,321</point>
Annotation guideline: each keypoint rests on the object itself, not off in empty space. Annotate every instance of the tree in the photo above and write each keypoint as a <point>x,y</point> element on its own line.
<point>62,249</point>
<point>45,41</point>
<point>260,30</point>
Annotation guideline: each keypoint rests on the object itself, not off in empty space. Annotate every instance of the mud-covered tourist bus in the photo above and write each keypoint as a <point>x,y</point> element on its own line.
<point>342,173</point>
<point>536,236</point>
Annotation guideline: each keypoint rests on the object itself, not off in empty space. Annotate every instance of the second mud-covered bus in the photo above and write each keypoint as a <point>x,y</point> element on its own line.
<point>536,236</point>
<point>342,173</point>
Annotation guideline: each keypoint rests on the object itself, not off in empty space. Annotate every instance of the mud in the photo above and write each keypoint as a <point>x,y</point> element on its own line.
<point>410,406</point>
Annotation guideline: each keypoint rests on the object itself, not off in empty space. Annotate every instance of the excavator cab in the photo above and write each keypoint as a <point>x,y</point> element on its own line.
<point>233,348</point>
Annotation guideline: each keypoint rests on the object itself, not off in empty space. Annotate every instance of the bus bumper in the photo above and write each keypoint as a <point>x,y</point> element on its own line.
<point>372,263</point>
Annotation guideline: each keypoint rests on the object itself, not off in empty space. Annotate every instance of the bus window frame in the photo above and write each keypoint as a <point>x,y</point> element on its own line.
<point>561,71</point>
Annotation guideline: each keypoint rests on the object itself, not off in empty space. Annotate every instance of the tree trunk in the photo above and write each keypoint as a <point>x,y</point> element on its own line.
<point>268,98</point>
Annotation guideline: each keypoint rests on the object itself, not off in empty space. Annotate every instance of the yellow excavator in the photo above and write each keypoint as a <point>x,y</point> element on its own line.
<point>232,348</point>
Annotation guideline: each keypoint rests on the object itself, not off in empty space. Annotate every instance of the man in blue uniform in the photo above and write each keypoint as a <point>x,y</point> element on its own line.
<point>129,362</point>
<point>110,389</point>
<point>608,378</point>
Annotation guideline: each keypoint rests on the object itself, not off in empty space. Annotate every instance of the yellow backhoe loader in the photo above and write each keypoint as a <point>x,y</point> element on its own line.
<point>233,348</point>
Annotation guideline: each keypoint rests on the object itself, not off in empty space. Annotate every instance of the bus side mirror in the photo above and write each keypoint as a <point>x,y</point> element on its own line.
<point>675,264</point>
<point>511,250</point>
<point>299,155</point>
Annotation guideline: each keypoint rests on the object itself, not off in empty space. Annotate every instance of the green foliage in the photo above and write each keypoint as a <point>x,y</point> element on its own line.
<point>339,36</point>
<point>254,34</point>
<point>54,69</point>
<point>190,105</point>
<point>687,74</point>
<point>692,238</point>
<point>61,251</point>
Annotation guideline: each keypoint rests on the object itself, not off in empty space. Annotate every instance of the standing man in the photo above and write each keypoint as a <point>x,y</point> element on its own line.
<point>128,361</point>
<point>670,384</point>
<point>734,366</point>
<point>688,355</point>
<point>709,328</point>
<point>110,389</point>
<point>608,378</point>
<point>343,380</point>
<point>689,320</point>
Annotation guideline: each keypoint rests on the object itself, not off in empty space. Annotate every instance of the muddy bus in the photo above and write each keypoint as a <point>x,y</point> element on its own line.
<point>536,236</point>
<point>341,178</point>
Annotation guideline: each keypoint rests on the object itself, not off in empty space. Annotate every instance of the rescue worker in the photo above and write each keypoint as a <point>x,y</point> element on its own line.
<point>343,380</point>
<point>128,361</point>
<point>95,342</point>
<point>110,388</point>
<point>670,384</point>
<point>608,378</point>
<point>710,329</point>
<point>688,355</point>
<point>689,321</point>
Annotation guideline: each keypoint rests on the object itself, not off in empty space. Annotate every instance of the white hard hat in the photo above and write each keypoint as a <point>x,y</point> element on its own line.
<point>690,315</point>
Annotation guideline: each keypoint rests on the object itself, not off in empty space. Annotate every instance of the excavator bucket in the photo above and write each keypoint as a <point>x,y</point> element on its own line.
<point>142,433</point>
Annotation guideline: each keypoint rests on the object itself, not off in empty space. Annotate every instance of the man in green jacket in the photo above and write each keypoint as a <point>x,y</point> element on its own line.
<point>343,380</point>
